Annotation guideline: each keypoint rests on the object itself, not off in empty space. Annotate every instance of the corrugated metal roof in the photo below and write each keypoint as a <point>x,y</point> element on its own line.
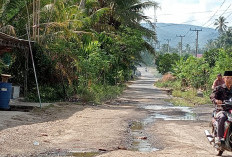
<point>10,41</point>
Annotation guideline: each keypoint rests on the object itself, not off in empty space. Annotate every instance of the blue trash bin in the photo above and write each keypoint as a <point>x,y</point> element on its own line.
<point>5,94</point>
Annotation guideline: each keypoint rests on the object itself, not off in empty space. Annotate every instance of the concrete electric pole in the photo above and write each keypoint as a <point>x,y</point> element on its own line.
<point>181,42</point>
<point>168,40</point>
<point>196,30</point>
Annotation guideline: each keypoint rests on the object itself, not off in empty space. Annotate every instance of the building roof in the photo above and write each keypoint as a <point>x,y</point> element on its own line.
<point>199,55</point>
<point>8,42</point>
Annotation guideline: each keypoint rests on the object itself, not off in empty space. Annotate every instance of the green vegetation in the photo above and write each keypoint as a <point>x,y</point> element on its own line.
<point>86,48</point>
<point>193,74</point>
<point>182,95</point>
<point>164,62</point>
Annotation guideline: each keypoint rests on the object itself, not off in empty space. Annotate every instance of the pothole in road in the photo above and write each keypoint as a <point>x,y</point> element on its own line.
<point>66,153</point>
<point>169,112</point>
<point>85,154</point>
<point>140,140</point>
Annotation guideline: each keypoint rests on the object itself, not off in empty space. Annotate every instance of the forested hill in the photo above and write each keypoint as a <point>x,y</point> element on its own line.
<point>170,30</point>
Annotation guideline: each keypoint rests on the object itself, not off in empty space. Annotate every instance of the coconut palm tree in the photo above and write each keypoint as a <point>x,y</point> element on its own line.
<point>68,28</point>
<point>220,24</point>
<point>127,13</point>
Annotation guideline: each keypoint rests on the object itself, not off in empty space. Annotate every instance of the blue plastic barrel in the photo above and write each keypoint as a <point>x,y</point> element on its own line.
<point>5,94</point>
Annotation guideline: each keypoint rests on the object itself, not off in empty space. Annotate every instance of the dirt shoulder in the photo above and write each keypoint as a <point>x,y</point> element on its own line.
<point>66,127</point>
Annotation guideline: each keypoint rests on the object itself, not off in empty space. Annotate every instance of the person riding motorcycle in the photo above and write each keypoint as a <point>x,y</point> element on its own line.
<point>219,95</point>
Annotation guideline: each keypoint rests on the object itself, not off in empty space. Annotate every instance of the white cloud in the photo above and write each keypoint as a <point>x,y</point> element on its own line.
<point>196,12</point>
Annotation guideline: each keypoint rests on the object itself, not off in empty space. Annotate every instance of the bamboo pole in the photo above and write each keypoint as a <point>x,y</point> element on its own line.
<point>38,19</point>
<point>33,19</point>
<point>32,58</point>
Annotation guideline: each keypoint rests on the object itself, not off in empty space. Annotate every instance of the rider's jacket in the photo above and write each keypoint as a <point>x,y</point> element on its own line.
<point>221,93</point>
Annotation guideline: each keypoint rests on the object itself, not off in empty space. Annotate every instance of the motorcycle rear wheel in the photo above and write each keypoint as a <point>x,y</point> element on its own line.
<point>220,152</point>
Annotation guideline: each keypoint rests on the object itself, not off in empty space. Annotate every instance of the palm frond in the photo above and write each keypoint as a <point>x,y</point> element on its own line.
<point>144,5</point>
<point>149,48</point>
<point>99,14</point>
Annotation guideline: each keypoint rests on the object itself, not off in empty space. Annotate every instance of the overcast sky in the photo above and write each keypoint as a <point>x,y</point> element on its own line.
<point>195,12</point>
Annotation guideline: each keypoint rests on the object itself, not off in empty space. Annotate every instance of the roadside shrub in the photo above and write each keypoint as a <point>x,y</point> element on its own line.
<point>47,94</point>
<point>168,84</point>
<point>100,93</point>
<point>223,63</point>
<point>211,57</point>
<point>193,72</point>
<point>168,77</point>
<point>164,62</point>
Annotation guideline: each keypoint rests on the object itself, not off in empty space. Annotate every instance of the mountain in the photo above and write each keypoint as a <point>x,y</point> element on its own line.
<point>171,30</point>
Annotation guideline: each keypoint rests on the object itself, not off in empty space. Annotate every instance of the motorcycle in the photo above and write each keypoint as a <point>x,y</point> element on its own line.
<point>226,142</point>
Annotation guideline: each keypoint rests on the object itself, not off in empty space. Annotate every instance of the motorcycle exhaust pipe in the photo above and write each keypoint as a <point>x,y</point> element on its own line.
<point>209,136</point>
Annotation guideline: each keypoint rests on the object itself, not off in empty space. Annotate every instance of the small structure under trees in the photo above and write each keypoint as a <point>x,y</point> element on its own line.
<point>8,43</point>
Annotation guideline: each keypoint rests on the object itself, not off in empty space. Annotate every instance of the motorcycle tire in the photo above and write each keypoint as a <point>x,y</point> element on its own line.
<point>220,153</point>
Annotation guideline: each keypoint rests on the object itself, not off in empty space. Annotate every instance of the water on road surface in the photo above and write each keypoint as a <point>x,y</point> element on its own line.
<point>146,96</point>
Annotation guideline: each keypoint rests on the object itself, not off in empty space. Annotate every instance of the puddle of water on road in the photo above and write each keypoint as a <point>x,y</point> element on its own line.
<point>85,154</point>
<point>187,113</point>
<point>140,142</point>
<point>154,116</point>
<point>161,107</point>
<point>136,126</point>
<point>71,154</point>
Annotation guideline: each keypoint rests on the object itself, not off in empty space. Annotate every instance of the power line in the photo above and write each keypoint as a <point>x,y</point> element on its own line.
<point>229,15</point>
<point>220,16</point>
<point>188,13</point>
<point>226,10</point>
<point>215,13</point>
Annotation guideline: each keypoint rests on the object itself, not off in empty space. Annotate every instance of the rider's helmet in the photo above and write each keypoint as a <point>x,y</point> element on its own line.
<point>228,73</point>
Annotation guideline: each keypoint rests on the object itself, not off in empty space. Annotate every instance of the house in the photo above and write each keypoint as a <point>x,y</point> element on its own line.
<point>7,43</point>
<point>199,55</point>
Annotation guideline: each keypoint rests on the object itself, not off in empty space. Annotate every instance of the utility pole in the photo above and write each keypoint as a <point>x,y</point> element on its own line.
<point>196,30</point>
<point>155,17</point>
<point>168,40</point>
<point>158,45</point>
<point>181,42</point>
<point>156,42</point>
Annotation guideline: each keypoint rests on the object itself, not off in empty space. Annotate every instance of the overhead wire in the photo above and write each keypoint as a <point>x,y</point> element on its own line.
<point>220,16</point>
<point>215,13</point>
<point>229,15</point>
<point>211,17</point>
<point>202,12</point>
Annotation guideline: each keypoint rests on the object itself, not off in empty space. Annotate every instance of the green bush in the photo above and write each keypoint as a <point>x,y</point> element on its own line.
<point>193,72</point>
<point>47,94</point>
<point>99,93</point>
<point>169,84</point>
<point>223,63</point>
<point>164,62</point>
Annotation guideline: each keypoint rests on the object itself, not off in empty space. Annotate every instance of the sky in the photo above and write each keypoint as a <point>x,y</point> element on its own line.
<point>194,12</point>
